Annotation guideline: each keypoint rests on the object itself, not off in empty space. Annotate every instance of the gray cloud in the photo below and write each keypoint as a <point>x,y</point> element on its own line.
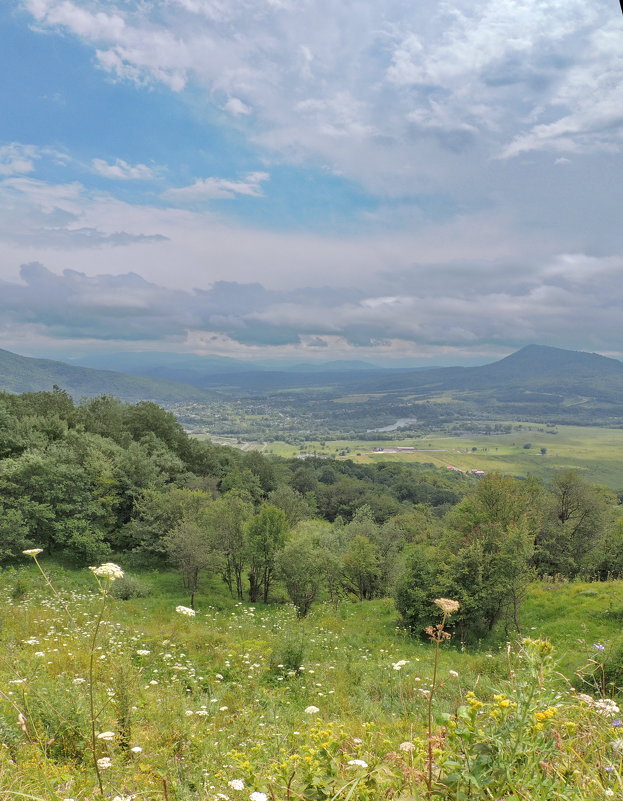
<point>572,300</point>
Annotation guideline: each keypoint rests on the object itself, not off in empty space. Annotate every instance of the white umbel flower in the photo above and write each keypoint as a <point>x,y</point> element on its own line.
<point>185,610</point>
<point>109,570</point>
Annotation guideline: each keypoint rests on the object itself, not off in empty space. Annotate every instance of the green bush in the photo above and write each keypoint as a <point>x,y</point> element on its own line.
<point>129,587</point>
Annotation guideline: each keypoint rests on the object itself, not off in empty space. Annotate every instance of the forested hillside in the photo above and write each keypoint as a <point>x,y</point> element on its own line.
<point>100,478</point>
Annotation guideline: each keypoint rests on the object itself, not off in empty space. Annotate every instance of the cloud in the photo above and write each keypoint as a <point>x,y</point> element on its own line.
<point>17,158</point>
<point>235,106</point>
<point>37,215</point>
<point>122,171</point>
<point>381,95</point>
<point>572,300</point>
<point>218,189</point>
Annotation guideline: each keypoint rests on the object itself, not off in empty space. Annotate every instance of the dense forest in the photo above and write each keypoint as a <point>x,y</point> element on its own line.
<point>103,479</point>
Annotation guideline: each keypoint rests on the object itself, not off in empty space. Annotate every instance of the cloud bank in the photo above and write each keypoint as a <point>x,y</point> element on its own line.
<point>574,299</point>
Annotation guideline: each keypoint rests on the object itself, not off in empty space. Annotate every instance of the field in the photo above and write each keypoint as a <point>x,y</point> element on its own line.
<point>246,702</point>
<point>596,452</point>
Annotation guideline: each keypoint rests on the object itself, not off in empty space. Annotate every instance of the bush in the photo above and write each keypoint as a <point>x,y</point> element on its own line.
<point>288,654</point>
<point>129,587</point>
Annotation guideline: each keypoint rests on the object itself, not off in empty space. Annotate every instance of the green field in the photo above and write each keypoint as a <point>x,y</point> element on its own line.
<point>596,452</point>
<point>243,697</point>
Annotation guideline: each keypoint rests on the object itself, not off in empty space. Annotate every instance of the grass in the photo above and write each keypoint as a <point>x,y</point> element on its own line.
<point>222,696</point>
<point>596,452</point>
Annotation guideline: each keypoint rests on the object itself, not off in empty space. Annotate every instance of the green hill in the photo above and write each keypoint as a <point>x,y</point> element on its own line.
<point>24,374</point>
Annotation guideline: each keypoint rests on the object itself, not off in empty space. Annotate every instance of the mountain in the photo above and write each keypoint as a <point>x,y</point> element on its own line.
<point>24,374</point>
<point>534,367</point>
<point>150,362</point>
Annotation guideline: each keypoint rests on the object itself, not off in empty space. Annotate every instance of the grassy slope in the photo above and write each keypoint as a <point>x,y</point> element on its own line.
<point>212,700</point>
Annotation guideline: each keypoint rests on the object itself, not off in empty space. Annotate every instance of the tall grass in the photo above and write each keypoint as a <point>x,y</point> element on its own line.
<point>336,706</point>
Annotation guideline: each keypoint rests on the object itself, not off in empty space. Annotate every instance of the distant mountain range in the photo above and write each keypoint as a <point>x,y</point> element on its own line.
<point>24,374</point>
<point>532,381</point>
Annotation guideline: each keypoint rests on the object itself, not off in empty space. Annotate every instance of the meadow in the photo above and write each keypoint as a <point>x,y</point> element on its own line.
<point>597,453</point>
<point>241,701</point>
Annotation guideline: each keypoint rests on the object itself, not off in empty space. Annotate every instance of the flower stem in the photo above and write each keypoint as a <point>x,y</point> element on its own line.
<point>92,693</point>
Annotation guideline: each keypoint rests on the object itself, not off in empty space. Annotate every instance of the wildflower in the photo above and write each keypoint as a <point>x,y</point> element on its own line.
<point>223,708</point>
<point>78,681</point>
<point>617,722</point>
<point>136,749</point>
<point>123,798</point>
<point>109,570</point>
<point>447,606</point>
<point>143,652</point>
<point>236,784</point>
<point>258,796</point>
<point>617,745</point>
<point>606,706</point>
<point>106,735</point>
<point>399,665</point>
<point>358,762</point>
<point>598,646</point>
<point>311,710</point>
<point>407,746</point>
<point>454,674</point>
<point>32,551</point>
<point>21,722</point>
<point>104,762</point>
<point>185,610</point>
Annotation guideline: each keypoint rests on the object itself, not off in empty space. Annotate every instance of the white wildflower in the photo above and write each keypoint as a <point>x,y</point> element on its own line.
<point>106,735</point>
<point>143,652</point>
<point>357,762</point>
<point>109,570</point>
<point>136,749</point>
<point>185,610</point>
<point>104,762</point>
<point>311,710</point>
<point>32,551</point>
<point>447,606</point>
<point>400,664</point>
<point>256,796</point>
<point>236,784</point>
<point>407,746</point>
<point>454,674</point>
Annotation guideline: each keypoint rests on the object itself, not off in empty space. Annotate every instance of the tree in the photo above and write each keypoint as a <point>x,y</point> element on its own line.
<point>574,524</point>
<point>416,587</point>
<point>190,549</point>
<point>301,567</point>
<point>361,568</point>
<point>225,518</point>
<point>266,535</point>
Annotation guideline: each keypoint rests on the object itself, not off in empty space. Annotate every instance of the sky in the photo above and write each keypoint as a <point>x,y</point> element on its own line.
<point>434,182</point>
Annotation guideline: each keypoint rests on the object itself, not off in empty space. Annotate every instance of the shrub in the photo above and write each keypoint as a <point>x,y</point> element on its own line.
<point>129,587</point>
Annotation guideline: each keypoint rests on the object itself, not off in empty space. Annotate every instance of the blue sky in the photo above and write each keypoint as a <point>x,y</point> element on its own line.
<point>299,178</point>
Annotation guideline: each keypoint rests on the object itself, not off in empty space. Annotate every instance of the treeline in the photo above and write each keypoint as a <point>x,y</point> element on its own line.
<point>100,478</point>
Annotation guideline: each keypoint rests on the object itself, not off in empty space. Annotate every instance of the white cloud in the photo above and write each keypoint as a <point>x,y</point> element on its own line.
<point>122,171</point>
<point>218,189</point>
<point>237,107</point>
<point>18,159</point>
<point>382,91</point>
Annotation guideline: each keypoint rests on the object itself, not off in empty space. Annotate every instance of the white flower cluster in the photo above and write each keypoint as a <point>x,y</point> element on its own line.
<point>606,706</point>
<point>185,610</point>
<point>32,551</point>
<point>357,763</point>
<point>311,710</point>
<point>108,570</point>
<point>400,664</point>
